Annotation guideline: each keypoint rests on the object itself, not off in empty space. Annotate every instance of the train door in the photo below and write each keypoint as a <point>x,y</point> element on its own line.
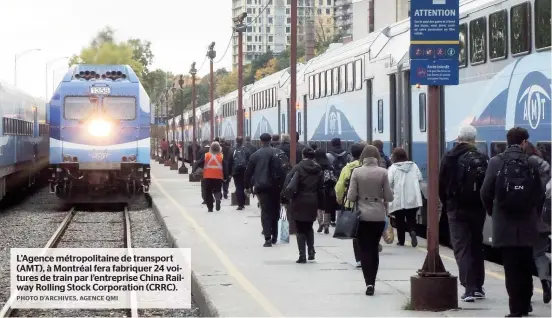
<point>305,135</point>
<point>393,136</point>
<point>369,97</point>
<point>406,113</point>
<point>280,119</point>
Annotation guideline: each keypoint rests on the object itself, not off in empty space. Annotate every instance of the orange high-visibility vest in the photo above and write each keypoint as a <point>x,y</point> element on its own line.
<point>213,167</point>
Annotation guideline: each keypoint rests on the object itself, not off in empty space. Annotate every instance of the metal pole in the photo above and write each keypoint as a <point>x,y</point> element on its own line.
<point>212,54</point>
<point>193,71</point>
<point>182,169</point>
<point>240,83</point>
<point>46,82</point>
<point>293,82</point>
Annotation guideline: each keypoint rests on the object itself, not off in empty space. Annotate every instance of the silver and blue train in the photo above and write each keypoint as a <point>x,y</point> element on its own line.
<point>362,90</point>
<point>99,120</point>
<point>23,141</point>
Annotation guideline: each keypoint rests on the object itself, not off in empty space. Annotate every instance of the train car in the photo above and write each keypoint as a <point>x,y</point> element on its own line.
<point>24,139</point>
<point>99,135</point>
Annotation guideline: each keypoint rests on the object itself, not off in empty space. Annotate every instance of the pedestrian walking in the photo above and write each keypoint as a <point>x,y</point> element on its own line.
<point>199,155</point>
<point>512,194</point>
<point>285,146</point>
<point>404,178</point>
<point>385,162</point>
<point>307,182</point>
<point>164,149</point>
<point>265,169</point>
<point>275,142</point>
<point>542,261</point>
<point>461,177</point>
<point>226,154</point>
<point>239,157</point>
<point>341,189</point>
<point>251,147</point>
<point>328,205</point>
<point>338,158</point>
<point>214,173</point>
<point>370,191</point>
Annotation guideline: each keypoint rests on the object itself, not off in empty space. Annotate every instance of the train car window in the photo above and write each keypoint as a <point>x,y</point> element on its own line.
<point>283,121</point>
<point>323,84</point>
<point>311,87</point>
<point>498,35</point>
<point>478,39</point>
<point>336,80</point>
<point>380,115</point>
<point>481,146</point>
<point>463,37</point>
<point>316,90</point>
<point>422,112</point>
<point>358,74</point>
<point>497,147</point>
<point>520,26</point>
<point>544,148</point>
<point>273,97</point>
<point>299,123</point>
<point>342,79</point>
<point>119,107</point>
<point>329,84</point>
<point>4,126</point>
<point>319,84</point>
<point>350,77</point>
<point>542,24</point>
<point>77,107</point>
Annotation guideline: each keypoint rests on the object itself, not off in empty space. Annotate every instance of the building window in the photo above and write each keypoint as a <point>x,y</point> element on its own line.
<point>498,33</point>
<point>270,20</point>
<point>328,11</point>
<point>520,19</point>
<point>249,39</point>
<point>542,24</point>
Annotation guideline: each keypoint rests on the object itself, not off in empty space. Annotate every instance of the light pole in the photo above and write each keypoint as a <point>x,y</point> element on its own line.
<point>47,64</point>
<point>17,57</point>
<point>182,169</point>
<point>293,82</point>
<point>240,28</point>
<point>212,54</point>
<point>174,161</point>
<point>193,72</point>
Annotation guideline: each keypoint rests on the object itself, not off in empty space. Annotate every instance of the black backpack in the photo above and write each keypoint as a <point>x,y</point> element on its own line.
<point>340,161</point>
<point>515,184</point>
<point>470,174</point>
<point>284,161</point>
<point>239,160</point>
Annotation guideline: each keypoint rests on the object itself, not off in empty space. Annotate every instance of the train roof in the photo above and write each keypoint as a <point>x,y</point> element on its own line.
<point>101,73</point>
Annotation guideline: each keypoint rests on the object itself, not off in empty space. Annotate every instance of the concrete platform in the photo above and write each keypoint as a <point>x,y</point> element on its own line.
<point>233,275</point>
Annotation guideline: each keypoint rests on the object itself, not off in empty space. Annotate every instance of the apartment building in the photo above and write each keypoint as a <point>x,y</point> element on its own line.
<point>373,15</point>
<point>269,25</point>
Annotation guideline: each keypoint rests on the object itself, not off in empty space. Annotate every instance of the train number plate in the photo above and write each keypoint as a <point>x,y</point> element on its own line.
<point>100,90</point>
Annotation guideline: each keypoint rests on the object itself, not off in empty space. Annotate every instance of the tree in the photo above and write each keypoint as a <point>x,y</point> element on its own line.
<point>156,83</point>
<point>108,53</point>
<point>271,67</point>
<point>227,83</point>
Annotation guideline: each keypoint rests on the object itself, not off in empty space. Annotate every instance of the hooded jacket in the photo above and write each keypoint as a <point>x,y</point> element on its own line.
<point>404,179</point>
<point>342,183</point>
<point>304,206</point>
<point>370,190</point>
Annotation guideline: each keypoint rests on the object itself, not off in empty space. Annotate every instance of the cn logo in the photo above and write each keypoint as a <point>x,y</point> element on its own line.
<point>518,187</point>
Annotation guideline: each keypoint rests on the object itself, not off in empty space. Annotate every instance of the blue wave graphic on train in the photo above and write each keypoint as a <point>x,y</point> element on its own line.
<point>519,95</point>
<point>338,126</point>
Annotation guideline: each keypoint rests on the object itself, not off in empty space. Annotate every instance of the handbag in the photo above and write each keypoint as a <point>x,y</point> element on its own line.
<point>292,187</point>
<point>283,227</point>
<point>346,226</point>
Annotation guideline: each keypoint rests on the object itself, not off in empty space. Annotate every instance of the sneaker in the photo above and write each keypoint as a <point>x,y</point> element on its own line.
<point>480,294</point>
<point>240,208</point>
<point>358,264</point>
<point>413,239</point>
<point>400,244</point>
<point>468,298</point>
<point>267,244</point>
<point>274,240</point>
<point>218,206</point>
<point>320,228</point>
<point>327,230</point>
<point>370,290</point>
<point>332,224</point>
<point>209,210</point>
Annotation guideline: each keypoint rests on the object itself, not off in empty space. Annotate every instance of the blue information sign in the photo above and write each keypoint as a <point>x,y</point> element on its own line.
<point>434,42</point>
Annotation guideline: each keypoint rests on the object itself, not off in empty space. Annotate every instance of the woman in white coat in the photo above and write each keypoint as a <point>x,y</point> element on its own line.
<point>404,178</point>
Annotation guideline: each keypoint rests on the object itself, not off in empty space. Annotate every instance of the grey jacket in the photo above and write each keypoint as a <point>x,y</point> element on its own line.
<point>510,230</point>
<point>369,188</point>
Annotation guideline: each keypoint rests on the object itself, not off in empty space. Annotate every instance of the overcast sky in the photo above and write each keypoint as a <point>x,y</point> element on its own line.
<point>180,31</point>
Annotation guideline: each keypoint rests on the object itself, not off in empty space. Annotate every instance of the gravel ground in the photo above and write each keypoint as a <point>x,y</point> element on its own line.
<point>31,223</point>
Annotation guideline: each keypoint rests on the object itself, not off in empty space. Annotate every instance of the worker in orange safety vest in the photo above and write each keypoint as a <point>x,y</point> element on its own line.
<point>214,174</point>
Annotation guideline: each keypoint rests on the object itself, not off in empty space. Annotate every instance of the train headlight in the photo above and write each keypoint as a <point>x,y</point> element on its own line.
<point>99,128</point>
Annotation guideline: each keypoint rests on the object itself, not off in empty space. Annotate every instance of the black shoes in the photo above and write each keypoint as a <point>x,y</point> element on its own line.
<point>240,208</point>
<point>301,242</point>
<point>302,259</point>
<point>320,228</point>
<point>369,290</point>
<point>332,224</point>
<point>327,230</point>
<point>517,314</point>
<point>218,205</point>
<point>545,291</point>
<point>267,244</point>
<point>209,210</point>
<point>274,239</point>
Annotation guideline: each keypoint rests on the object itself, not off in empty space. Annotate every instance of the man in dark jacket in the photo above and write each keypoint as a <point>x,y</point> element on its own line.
<point>251,147</point>
<point>225,156</point>
<point>199,155</point>
<point>263,167</point>
<point>379,144</point>
<point>514,232</point>
<point>465,222</point>
<point>338,158</point>
<point>275,141</point>
<point>285,146</point>
<point>237,167</point>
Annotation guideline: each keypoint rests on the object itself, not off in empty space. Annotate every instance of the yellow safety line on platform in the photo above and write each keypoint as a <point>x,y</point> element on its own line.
<point>488,272</point>
<point>232,270</point>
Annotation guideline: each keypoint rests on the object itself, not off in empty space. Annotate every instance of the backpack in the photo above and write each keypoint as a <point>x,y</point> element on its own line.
<point>329,182</point>
<point>515,184</point>
<point>239,160</point>
<point>470,174</point>
<point>284,161</point>
<point>339,161</point>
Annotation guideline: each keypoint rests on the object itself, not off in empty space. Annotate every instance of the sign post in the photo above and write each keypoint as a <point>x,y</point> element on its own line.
<point>434,46</point>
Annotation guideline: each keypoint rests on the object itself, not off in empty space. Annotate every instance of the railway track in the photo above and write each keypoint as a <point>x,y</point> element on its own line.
<point>57,239</point>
